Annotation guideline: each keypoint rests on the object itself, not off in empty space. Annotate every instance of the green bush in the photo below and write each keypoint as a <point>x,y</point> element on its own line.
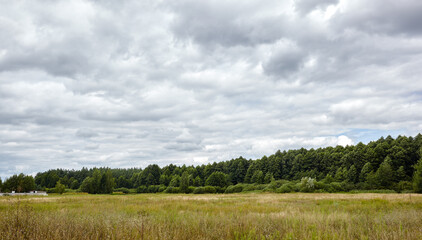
<point>403,186</point>
<point>190,189</point>
<point>142,189</point>
<point>287,188</point>
<point>162,188</point>
<point>199,190</point>
<point>272,186</point>
<point>234,188</point>
<point>337,186</point>
<point>209,189</point>
<point>153,188</point>
<point>172,190</point>
<point>122,190</point>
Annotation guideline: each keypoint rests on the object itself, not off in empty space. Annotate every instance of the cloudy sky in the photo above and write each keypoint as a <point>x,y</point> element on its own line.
<point>132,83</point>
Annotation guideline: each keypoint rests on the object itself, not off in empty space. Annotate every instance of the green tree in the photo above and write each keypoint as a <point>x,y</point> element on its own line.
<point>74,184</point>
<point>197,181</point>
<point>218,179</point>
<point>352,174</point>
<point>258,177</point>
<point>184,182</point>
<point>384,174</point>
<point>60,188</point>
<point>417,177</point>
<point>341,174</point>
<point>87,185</point>
<point>96,181</point>
<point>268,177</point>
<point>366,169</point>
<point>175,181</point>
<point>106,183</point>
<point>401,174</point>
<point>28,183</point>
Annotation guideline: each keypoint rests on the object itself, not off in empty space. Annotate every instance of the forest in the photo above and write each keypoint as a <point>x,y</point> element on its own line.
<point>386,164</point>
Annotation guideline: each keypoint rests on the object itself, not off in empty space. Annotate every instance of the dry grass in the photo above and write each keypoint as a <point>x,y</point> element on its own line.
<point>231,216</point>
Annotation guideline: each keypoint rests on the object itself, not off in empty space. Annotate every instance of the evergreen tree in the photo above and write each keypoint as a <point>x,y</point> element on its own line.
<point>401,174</point>
<point>352,174</point>
<point>197,181</point>
<point>258,177</point>
<point>417,177</point>
<point>384,173</point>
<point>367,168</point>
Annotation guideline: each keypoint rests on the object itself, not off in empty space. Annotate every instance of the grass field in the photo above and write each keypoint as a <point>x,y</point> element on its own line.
<point>228,216</point>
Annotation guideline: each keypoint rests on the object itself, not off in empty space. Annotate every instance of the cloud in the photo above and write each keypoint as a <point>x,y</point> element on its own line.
<point>99,83</point>
<point>306,6</point>
<point>380,17</point>
<point>285,61</point>
<point>228,24</point>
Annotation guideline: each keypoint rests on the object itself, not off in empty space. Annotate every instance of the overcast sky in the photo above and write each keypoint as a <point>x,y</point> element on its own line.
<point>133,83</point>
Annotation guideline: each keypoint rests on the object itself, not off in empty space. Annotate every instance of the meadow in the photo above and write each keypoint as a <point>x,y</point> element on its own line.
<point>213,216</point>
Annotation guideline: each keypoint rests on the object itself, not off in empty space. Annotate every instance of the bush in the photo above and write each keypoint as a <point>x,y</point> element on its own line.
<point>337,187</point>
<point>220,189</point>
<point>142,189</point>
<point>234,189</point>
<point>190,189</point>
<point>199,190</point>
<point>403,186</point>
<point>162,188</point>
<point>287,188</point>
<point>122,190</point>
<point>153,188</point>
<point>172,190</point>
<point>209,189</point>
<point>307,184</point>
<point>275,184</point>
<point>248,187</point>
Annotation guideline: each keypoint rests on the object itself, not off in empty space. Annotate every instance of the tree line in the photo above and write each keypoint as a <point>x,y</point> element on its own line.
<point>387,163</point>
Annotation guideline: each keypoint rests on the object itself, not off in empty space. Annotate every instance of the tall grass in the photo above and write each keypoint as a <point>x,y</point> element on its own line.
<point>234,216</point>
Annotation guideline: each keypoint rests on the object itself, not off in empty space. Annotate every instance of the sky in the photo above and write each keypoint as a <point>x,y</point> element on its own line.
<point>131,83</point>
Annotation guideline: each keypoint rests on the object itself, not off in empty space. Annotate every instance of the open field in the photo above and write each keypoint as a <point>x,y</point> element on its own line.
<point>228,216</point>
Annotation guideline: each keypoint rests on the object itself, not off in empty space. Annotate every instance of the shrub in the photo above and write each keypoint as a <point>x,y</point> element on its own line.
<point>307,184</point>
<point>276,184</point>
<point>153,188</point>
<point>172,190</point>
<point>162,188</point>
<point>403,186</point>
<point>122,190</point>
<point>199,190</point>
<point>287,188</point>
<point>209,189</point>
<point>142,189</point>
<point>234,189</point>
<point>190,189</point>
<point>337,186</point>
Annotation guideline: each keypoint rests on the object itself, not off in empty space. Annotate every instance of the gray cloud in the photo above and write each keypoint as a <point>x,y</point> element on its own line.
<point>100,83</point>
<point>306,6</point>
<point>381,17</point>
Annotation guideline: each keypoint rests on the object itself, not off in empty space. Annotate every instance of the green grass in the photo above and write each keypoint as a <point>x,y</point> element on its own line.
<point>214,216</point>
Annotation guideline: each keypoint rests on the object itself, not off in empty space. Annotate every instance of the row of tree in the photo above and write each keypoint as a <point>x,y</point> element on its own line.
<point>387,163</point>
<point>18,183</point>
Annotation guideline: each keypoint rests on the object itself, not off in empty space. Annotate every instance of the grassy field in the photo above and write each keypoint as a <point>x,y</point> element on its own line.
<point>229,216</point>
